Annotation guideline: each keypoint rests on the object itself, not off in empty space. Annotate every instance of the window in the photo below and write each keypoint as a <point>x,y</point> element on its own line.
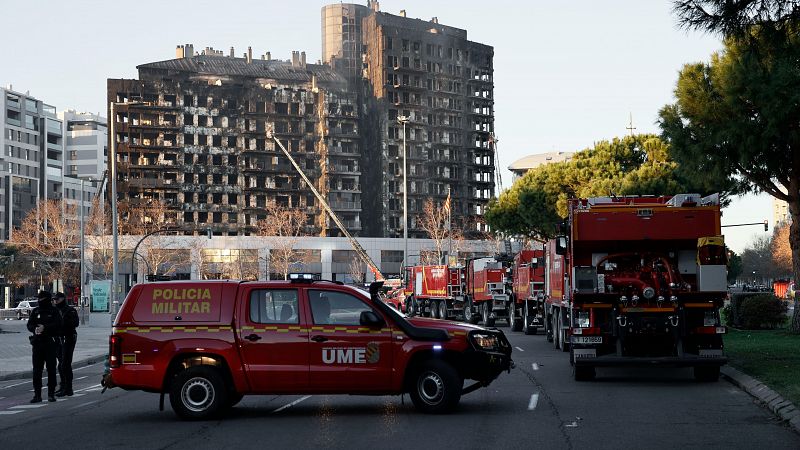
<point>336,308</point>
<point>274,306</point>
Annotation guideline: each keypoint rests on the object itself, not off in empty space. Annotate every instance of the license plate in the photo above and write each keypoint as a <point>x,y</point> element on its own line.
<point>587,339</point>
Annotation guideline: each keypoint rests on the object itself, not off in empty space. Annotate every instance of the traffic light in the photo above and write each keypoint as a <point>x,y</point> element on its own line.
<point>766,225</point>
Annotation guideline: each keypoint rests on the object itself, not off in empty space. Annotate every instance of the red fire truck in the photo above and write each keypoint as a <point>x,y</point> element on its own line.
<point>527,302</point>
<point>639,281</point>
<point>434,291</point>
<point>486,296</point>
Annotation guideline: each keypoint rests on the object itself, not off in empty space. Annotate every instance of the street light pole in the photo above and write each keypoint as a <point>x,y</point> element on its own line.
<point>83,255</point>
<point>114,232</point>
<point>404,121</point>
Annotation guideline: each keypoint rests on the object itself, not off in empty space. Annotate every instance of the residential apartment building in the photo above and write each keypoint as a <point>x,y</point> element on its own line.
<point>425,81</point>
<point>86,144</point>
<point>191,133</point>
<point>32,161</point>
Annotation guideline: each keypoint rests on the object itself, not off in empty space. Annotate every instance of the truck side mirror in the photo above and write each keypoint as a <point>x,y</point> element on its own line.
<point>370,319</point>
<point>561,245</point>
<point>534,263</point>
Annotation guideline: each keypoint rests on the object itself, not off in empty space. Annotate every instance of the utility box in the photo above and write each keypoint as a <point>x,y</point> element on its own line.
<point>712,278</point>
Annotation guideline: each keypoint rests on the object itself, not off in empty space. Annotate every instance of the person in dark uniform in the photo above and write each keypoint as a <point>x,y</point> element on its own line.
<point>70,321</point>
<point>45,324</point>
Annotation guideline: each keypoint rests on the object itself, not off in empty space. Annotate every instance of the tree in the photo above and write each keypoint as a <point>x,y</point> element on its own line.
<point>434,220</point>
<point>288,224</point>
<point>757,260</point>
<point>781,253</point>
<point>538,201</point>
<point>736,117</point>
<point>734,267</point>
<point>51,240</point>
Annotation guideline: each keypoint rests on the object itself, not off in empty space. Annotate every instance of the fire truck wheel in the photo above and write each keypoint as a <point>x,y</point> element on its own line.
<point>524,324</point>
<point>706,373</point>
<point>198,393</point>
<point>434,309</point>
<point>469,314</point>
<point>443,310</point>
<point>411,307</point>
<point>562,335</point>
<point>487,321</point>
<point>437,387</point>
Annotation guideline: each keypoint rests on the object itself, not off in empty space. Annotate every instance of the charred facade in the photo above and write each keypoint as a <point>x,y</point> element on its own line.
<point>192,133</point>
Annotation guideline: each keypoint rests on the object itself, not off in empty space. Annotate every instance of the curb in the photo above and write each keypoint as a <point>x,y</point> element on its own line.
<point>29,373</point>
<point>773,401</point>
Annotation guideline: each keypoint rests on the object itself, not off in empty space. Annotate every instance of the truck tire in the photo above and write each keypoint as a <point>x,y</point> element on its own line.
<point>526,321</point>
<point>706,373</point>
<point>514,322</point>
<point>470,315</point>
<point>198,393</point>
<point>411,306</point>
<point>436,387</point>
<point>554,326</point>
<point>487,320</point>
<point>443,309</point>
<point>563,340</point>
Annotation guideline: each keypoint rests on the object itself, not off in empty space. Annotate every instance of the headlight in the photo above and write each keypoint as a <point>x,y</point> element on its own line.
<point>485,341</point>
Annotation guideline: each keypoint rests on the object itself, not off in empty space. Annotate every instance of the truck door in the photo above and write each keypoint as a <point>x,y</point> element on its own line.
<point>273,340</point>
<point>344,355</point>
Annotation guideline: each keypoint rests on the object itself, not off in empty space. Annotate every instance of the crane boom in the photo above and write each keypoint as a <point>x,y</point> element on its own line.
<point>356,246</point>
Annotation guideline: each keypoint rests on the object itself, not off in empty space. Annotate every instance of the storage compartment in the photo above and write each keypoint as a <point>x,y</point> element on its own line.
<point>585,279</point>
<point>712,278</point>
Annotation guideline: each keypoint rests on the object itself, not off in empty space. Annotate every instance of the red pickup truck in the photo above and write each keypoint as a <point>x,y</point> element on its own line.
<point>208,343</point>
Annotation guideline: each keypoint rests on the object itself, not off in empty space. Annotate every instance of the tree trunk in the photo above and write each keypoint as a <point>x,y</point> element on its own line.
<point>794,243</point>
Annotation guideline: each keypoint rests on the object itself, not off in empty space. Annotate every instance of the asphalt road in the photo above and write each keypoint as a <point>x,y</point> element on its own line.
<point>537,405</point>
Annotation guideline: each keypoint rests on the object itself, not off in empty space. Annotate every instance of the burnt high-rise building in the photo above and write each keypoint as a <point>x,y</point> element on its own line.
<point>191,131</point>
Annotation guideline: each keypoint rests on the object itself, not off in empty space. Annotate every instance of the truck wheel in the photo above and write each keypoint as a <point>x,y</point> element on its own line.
<point>525,324</point>
<point>563,342</point>
<point>411,306</point>
<point>443,309</point>
<point>469,314</point>
<point>555,329</point>
<point>487,321</point>
<point>706,373</point>
<point>436,388</point>
<point>513,322</point>
<point>198,393</point>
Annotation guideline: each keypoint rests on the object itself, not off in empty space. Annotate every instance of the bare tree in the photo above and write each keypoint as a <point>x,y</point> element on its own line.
<point>51,239</point>
<point>356,269</point>
<point>288,224</point>
<point>434,220</point>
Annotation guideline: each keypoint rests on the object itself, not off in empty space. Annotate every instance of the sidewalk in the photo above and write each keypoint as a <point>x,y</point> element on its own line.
<point>15,349</point>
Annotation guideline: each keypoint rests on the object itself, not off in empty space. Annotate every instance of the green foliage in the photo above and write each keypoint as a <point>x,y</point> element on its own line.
<point>762,311</point>
<point>631,165</point>
<point>734,267</point>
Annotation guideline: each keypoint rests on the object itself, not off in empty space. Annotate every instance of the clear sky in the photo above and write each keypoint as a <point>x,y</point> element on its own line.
<point>567,73</point>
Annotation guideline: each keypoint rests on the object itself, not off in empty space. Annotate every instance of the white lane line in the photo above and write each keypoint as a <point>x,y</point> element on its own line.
<point>80,378</point>
<point>78,395</point>
<point>34,406</point>
<point>292,404</point>
<point>519,348</point>
<point>534,401</point>
<point>2,398</point>
<point>84,367</point>
<point>535,366</point>
<point>90,388</point>
<point>84,404</point>
<point>18,384</point>
<point>7,413</point>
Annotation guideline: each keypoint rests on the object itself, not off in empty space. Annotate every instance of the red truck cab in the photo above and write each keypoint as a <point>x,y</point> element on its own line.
<point>208,343</point>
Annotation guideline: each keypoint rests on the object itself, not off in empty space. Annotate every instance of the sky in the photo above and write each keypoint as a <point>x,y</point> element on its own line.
<point>567,73</point>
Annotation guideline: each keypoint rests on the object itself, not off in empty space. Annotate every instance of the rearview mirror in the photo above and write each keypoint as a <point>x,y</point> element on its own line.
<point>370,319</point>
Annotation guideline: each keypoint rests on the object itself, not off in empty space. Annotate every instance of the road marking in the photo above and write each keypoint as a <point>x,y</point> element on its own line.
<point>534,401</point>
<point>6,413</point>
<point>574,424</point>
<point>39,405</point>
<point>80,378</point>
<point>292,404</point>
<point>535,366</point>
<point>519,348</point>
<point>84,367</point>
<point>95,387</point>
<point>18,384</point>
<point>84,404</point>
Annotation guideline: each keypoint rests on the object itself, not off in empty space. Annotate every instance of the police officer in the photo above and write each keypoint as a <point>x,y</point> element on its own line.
<point>70,321</point>
<point>45,324</point>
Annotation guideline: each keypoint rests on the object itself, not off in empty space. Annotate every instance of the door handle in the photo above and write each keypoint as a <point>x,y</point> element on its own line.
<point>319,338</point>
<point>252,337</point>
